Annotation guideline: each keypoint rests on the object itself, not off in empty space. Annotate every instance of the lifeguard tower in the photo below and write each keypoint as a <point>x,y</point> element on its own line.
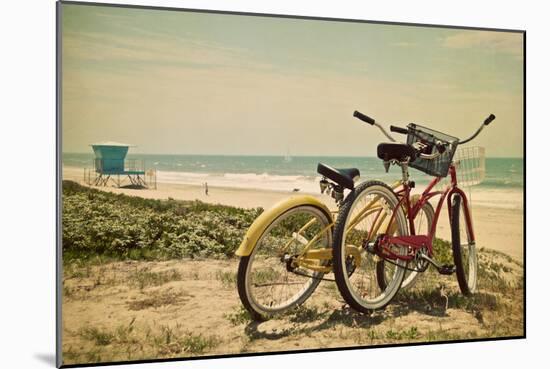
<point>111,166</point>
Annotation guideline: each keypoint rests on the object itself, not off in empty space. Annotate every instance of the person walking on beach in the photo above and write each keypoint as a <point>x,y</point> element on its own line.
<point>206,188</point>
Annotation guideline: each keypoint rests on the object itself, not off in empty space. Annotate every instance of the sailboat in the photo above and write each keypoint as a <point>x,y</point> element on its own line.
<point>287,158</point>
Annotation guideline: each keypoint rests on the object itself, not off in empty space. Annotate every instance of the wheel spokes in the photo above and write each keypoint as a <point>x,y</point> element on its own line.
<point>364,281</point>
<point>271,280</point>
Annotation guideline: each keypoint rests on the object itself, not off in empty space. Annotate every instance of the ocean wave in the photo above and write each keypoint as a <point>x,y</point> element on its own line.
<point>498,197</point>
<point>263,181</point>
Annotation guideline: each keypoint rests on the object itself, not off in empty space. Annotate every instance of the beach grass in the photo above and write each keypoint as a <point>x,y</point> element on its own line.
<point>160,310</point>
<point>103,226</point>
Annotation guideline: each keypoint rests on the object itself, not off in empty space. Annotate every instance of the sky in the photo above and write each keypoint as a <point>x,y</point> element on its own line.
<point>174,82</point>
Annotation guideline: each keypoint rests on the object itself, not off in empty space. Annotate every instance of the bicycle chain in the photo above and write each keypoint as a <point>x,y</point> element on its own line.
<point>333,280</point>
<point>312,277</point>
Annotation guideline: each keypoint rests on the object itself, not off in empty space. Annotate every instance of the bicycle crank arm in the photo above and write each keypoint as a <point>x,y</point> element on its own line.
<point>445,269</point>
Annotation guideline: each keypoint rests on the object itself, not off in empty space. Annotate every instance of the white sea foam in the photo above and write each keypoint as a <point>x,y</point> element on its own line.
<point>262,181</point>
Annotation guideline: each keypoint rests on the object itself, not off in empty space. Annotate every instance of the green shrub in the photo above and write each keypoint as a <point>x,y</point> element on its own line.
<point>102,223</point>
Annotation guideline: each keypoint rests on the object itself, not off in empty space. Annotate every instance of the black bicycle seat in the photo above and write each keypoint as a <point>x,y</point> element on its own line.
<point>396,151</point>
<point>345,177</point>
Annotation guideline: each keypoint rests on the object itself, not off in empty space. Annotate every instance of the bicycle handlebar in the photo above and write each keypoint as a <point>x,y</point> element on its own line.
<point>439,146</point>
<point>396,129</point>
<point>431,156</point>
<point>486,122</point>
<point>440,149</point>
<point>372,122</point>
<point>363,117</point>
<point>489,119</point>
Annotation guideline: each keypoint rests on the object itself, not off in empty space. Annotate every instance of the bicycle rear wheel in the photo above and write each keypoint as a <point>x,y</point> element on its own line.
<point>464,249</point>
<point>365,215</point>
<point>269,282</point>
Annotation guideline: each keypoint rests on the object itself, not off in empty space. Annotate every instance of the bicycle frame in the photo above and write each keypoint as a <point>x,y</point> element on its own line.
<point>414,242</point>
<point>311,259</point>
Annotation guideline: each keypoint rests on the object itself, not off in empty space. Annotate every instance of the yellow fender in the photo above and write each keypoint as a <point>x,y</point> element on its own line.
<point>267,217</point>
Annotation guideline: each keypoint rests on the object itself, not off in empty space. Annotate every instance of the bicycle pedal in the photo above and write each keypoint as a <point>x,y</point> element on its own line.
<point>447,269</point>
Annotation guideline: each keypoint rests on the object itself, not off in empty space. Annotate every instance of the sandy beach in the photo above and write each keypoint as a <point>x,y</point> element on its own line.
<point>497,227</point>
<point>134,310</point>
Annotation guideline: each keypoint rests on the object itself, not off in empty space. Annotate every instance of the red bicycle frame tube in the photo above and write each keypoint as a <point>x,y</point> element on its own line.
<point>412,210</point>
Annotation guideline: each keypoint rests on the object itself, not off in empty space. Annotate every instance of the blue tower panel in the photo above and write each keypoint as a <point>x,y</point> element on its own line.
<point>110,159</point>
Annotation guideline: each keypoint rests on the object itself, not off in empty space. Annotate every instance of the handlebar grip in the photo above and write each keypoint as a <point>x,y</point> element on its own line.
<point>395,129</point>
<point>363,117</point>
<point>440,147</point>
<point>489,119</point>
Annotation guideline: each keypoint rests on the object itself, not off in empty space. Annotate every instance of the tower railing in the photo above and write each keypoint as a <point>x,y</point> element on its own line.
<point>120,173</point>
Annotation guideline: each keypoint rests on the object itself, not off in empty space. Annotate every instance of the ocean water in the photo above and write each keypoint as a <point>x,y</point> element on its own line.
<point>285,174</point>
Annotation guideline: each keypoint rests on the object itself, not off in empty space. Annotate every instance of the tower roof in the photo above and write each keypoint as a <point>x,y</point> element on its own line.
<point>112,143</point>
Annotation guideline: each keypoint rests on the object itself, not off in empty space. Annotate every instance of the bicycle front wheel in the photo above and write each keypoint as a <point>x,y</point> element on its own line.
<point>365,215</point>
<point>464,249</point>
<point>272,279</point>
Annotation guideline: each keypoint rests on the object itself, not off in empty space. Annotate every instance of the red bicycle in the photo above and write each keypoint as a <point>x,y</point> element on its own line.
<point>383,221</point>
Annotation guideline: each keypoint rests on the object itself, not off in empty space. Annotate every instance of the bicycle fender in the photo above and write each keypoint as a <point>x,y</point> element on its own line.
<point>267,217</point>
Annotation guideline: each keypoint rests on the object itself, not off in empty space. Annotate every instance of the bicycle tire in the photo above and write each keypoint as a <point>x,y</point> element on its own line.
<point>466,272</point>
<point>342,276</point>
<point>260,311</point>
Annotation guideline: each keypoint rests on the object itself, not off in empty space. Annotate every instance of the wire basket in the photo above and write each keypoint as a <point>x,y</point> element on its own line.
<point>438,167</point>
<point>470,165</point>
